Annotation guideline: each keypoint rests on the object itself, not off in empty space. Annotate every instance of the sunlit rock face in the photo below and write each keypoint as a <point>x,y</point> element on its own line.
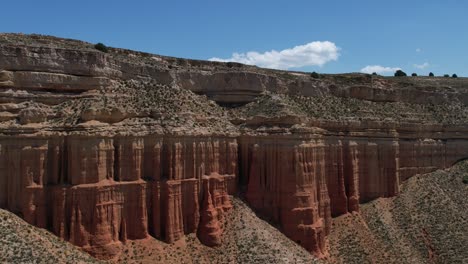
<point>301,183</point>
<point>99,192</point>
<point>102,148</point>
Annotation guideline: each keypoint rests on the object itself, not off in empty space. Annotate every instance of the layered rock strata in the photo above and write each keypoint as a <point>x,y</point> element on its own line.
<point>99,192</point>
<point>101,148</point>
<point>300,182</point>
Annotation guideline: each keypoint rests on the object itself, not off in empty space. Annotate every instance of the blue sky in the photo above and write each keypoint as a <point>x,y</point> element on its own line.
<point>417,36</point>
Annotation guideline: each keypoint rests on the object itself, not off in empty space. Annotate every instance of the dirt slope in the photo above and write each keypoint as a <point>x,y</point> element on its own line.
<point>247,239</point>
<point>24,243</point>
<point>426,223</point>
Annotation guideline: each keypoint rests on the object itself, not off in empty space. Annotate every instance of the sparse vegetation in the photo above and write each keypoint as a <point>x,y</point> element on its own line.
<point>246,239</point>
<point>400,73</point>
<point>430,208</point>
<point>414,74</point>
<point>446,75</point>
<point>431,74</point>
<point>23,243</point>
<point>314,75</point>
<point>101,47</point>
<point>234,64</point>
<point>454,76</point>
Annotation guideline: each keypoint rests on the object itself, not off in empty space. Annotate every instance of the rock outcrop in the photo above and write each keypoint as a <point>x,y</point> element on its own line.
<point>99,192</point>
<point>101,148</point>
<point>301,182</point>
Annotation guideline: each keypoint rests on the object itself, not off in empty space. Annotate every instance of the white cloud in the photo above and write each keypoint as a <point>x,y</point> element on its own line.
<point>379,69</point>
<point>421,66</point>
<point>315,53</point>
<point>418,50</point>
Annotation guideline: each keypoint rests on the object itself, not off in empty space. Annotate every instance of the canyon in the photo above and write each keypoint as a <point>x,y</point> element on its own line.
<point>102,148</point>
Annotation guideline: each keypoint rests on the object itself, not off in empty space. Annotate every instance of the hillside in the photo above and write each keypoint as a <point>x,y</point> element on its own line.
<point>425,223</point>
<point>246,239</point>
<point>21,242</point>
<point>126,88</point>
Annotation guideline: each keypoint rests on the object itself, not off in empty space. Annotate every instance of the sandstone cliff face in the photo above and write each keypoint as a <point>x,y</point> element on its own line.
<point>104,148</point>
<point>301,182</point>
<point>99,192</point>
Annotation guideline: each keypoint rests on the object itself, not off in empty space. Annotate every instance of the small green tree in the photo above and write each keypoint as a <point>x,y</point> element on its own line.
<point>400,73</point>
<point>431,74</point>
<point>454,76</point>
<point>101,47</point>
<point>414,74</point>
<point>374,73</point>
<point>314,75</point>
<point>446,75</point>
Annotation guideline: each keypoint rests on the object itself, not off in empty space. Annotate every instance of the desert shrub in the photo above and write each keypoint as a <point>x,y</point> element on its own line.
<point>431,74</point>
<point>454,76</point>
<point>234,64</point>
<point>314,75</point>
<point>446,75</point>
<point>414,74</point>
<point>101,47</point>
<point>400,73</point>
<point>465,179</point>
<point>374,73</point>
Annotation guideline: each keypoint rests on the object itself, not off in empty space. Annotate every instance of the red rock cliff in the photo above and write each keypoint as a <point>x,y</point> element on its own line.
<point>101,148</point>
<point>301,182</point>
<point>99,192</point>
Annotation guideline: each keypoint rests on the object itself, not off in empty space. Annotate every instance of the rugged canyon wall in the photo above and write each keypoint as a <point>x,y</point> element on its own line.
<point>97,192</point>
<point>301,181</point>
<point>101,148</point>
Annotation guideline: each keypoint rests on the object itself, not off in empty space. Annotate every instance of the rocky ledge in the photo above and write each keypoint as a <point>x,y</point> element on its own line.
<point>105,147</point>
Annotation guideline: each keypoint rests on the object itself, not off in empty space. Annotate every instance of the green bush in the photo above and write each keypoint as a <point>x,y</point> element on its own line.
<point>374,73</point>
<point>446,75</point>
<point>431,74</point>
<point>234,64</point>
<point>314,75</point>
<point>454,76</point>
<point>400,73</point>
<point>101,47</point>
<point>465,179</point>
<point>414,74</point>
